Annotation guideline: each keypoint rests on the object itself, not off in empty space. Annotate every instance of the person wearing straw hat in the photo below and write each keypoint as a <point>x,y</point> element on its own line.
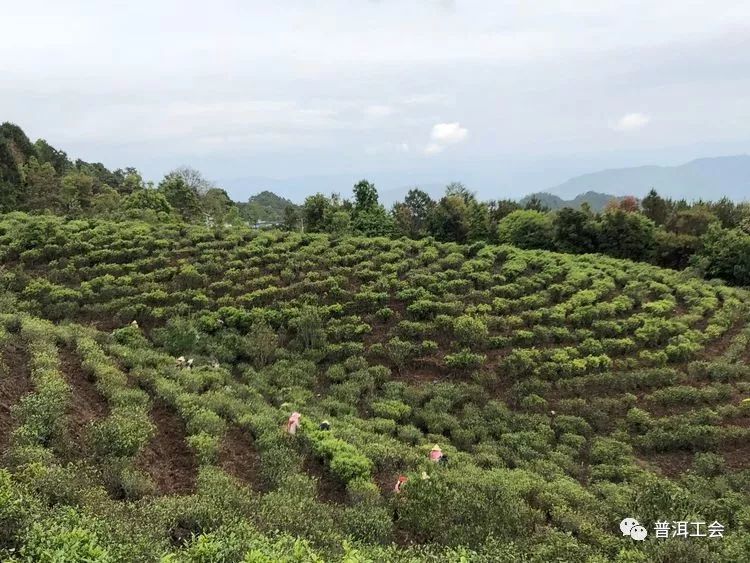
<point>436,453</point>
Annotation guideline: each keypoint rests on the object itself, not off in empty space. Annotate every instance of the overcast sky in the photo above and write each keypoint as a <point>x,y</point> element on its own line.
<point>489,92</point>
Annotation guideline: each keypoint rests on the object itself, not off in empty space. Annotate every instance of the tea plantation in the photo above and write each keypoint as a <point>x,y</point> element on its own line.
<point>566,393</point>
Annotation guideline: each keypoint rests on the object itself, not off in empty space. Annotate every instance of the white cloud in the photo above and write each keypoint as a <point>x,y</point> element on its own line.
<point>631,122</point>
<point>448,133</point>
<point>444,134</point>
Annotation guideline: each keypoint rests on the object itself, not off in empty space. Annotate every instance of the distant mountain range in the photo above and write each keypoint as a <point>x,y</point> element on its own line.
<point>706,178</point>
<point>703,178</point>
<point>595,200</point>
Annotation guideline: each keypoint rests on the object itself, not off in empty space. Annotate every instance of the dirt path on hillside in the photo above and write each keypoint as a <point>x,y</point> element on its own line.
<point>240,459</point>
<point>15,382</point>
<point>87,405</point>
<point>167,458</point>
<point>330,489</point>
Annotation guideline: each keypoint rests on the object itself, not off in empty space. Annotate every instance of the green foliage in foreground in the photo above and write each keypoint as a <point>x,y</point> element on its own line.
<point>567,393</point>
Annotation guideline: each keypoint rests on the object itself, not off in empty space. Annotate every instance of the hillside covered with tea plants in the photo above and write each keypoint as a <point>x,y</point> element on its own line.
<point>567,392</point>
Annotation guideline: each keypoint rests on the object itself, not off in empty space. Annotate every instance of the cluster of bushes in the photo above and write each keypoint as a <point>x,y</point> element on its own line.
<point>41,414</point>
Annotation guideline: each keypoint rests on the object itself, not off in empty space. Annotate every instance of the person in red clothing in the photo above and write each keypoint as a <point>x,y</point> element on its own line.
<point>399,483</point>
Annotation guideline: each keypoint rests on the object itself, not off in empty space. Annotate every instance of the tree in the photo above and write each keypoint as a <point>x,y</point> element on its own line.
<point>57,158</point>
<point>673,250</point>
<point>106,202</point>
<point>628,204</point>
<point>534,203</point>
<point>458,189</point>
<point>193,179</point>
<point>412,216</point>
<point>147,200</point>
<point>76,193</point>
<point>131,182</point>
<point>365,196</point>
<point>315,213</point>
<point>219,208</point>
<point>726,254</point>
<point>574,231</point>
<point>372,222</point>
<point>42,191</point>
<point>626,235</point>
<point>183,198</point>
<point>449,221</point>
<point>693,221</point>
<point>292,219</point>
<point>479,221</point>
<point>527,229</point>
<point>728,212</point>
<point>340,223</point>
<point>655,207</point>
<point>11,169</point>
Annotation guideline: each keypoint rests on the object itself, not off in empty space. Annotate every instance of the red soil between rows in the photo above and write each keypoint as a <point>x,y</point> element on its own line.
<point>167,459</point>
<point>240,459</point>
<point>15,382</point>
<point>87,404</point>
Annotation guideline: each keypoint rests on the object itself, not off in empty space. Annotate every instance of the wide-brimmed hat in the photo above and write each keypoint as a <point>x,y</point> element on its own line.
<point>436,448</point>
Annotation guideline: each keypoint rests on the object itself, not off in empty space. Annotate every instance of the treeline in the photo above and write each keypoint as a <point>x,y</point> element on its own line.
<point>37,178</point>
<point>713,237</point>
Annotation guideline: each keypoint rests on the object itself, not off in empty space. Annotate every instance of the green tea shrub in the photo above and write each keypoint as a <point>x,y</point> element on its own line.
<point>122,434</point>
<point>205,446</point>
<point>393,409</point>
<point>464,360</point>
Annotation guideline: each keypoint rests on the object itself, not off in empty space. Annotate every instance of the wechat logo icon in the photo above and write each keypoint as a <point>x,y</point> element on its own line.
<point>631,527</point>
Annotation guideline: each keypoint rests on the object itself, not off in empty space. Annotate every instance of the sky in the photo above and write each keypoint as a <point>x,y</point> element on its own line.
<point>505,96</point>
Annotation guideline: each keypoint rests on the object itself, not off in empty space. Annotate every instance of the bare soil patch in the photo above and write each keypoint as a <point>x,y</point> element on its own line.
<point>14,383</point>
<point>671,464</point>
<point>330,489</point>
<point>167,458</point>
<point>239,458</point>
<point>719,346</point>
<point>87,405</point>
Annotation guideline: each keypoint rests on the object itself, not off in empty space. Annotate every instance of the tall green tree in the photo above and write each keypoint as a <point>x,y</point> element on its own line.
<point>219,208</point>
<point>365,196</point>
<point>43,187</point>
<point>57,158</point>
<point>181,197</point>
<point>575,231</point>
<point>655,207</point>
<point>450,220</point>
<point>76,192</point>
<point>527,228</point>
<point>412,216</point>
<point>626,235</point>
<point>316,212</point>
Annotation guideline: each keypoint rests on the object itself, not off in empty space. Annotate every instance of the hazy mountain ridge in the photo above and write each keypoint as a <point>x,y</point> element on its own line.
<point>596,201</point>
<point>706,178</point>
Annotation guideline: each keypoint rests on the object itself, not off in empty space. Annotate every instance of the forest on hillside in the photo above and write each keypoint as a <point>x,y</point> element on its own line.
<point>427,383</point>
<point>713,238</point>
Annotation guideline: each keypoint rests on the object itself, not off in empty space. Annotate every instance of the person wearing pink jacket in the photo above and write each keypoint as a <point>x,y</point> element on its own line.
<point>293,423</point>
<point>436,453</point>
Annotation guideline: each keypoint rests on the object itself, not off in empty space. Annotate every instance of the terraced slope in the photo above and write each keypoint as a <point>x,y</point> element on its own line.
<point>567,391</point>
